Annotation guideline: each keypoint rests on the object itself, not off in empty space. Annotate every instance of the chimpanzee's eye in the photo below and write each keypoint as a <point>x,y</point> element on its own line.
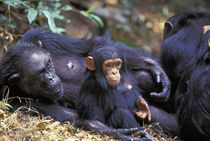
<point>48,65</point>
<point>118,64</point>
<point>40,72</point>
<point>108,65</point>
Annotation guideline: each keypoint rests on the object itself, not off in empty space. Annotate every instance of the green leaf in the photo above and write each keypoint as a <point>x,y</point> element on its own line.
<point>57,14</point>
<point>15,3</point>
<point>50,20</point>
<point>59,30</point>
<point>32,13</point>
<point>40,5</point>
<point>66,8</point>
<point>57,5</point>
<point>5,106</point>
<point>84,13</point>
<point>90,10</point>
<point>97,19</point>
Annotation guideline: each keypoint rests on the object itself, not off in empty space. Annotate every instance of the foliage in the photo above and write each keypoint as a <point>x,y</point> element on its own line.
<point>3,104</point>
<point>94,18</point>
<point>46,11</point>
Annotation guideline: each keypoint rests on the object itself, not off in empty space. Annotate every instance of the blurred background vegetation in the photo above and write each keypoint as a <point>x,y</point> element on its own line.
<point>138,23</point>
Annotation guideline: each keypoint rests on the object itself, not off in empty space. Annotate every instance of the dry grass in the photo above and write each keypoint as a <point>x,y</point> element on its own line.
<point>16,126</point>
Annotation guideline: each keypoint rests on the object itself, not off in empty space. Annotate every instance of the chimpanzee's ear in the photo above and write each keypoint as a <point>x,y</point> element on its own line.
<point>168,26</point>
<point>39,43</point>
<point>206,28</point>
<point>90,63</point>
<point>13,78</point>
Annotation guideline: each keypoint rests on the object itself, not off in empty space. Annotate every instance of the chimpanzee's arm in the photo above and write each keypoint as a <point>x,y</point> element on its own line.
<point>156,79</point>
<point>122,134</point>
<point>35,108</point>
<point>161,78</point>
<point>168,122</point>
<point>152,77</point>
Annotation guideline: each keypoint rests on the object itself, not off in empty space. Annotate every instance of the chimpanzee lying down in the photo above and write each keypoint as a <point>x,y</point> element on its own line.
<point>186,59</point>
<point>68,55</point>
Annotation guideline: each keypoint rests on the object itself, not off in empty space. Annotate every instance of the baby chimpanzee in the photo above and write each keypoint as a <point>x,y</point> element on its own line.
<point>109,93</point>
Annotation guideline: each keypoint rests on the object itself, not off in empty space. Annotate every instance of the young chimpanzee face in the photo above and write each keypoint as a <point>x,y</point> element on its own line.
<point>107,64</point>
<point>111,69</point>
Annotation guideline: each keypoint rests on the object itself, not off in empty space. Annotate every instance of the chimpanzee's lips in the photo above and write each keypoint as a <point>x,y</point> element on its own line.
<point>115,79</point>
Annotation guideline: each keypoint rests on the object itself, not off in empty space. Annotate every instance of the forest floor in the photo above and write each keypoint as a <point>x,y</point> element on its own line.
<point>19,127</point>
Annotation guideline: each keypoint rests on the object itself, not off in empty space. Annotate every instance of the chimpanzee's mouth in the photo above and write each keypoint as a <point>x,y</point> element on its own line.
<point>59,92</point>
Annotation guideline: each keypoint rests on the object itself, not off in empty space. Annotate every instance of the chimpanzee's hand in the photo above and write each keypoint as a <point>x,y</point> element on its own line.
<point>126,134</point>
<point>143,110</point>
<point>161,78</point>
<point>122,134</point>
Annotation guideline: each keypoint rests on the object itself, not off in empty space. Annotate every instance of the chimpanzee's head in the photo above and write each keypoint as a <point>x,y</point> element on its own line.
<point>107,62</point>
<point>30,69</point>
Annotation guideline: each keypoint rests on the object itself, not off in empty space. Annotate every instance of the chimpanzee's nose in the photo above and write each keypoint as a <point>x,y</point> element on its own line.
<point>114,72</point>
<point>51,79</point>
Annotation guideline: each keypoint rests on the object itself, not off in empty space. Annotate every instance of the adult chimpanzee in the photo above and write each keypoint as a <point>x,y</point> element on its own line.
<point>109,94</point>
<point>194,110</point>
<point>68,55</point>
<point>185,58</point>
<point>29,72</point>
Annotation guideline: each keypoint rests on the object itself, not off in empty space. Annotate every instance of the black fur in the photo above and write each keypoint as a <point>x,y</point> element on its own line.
<point>184,56</point>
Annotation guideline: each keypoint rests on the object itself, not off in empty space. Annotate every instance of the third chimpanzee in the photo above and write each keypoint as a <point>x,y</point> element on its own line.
<point>194,110</point>
<point>109,94</point>
<point>185,58</point>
